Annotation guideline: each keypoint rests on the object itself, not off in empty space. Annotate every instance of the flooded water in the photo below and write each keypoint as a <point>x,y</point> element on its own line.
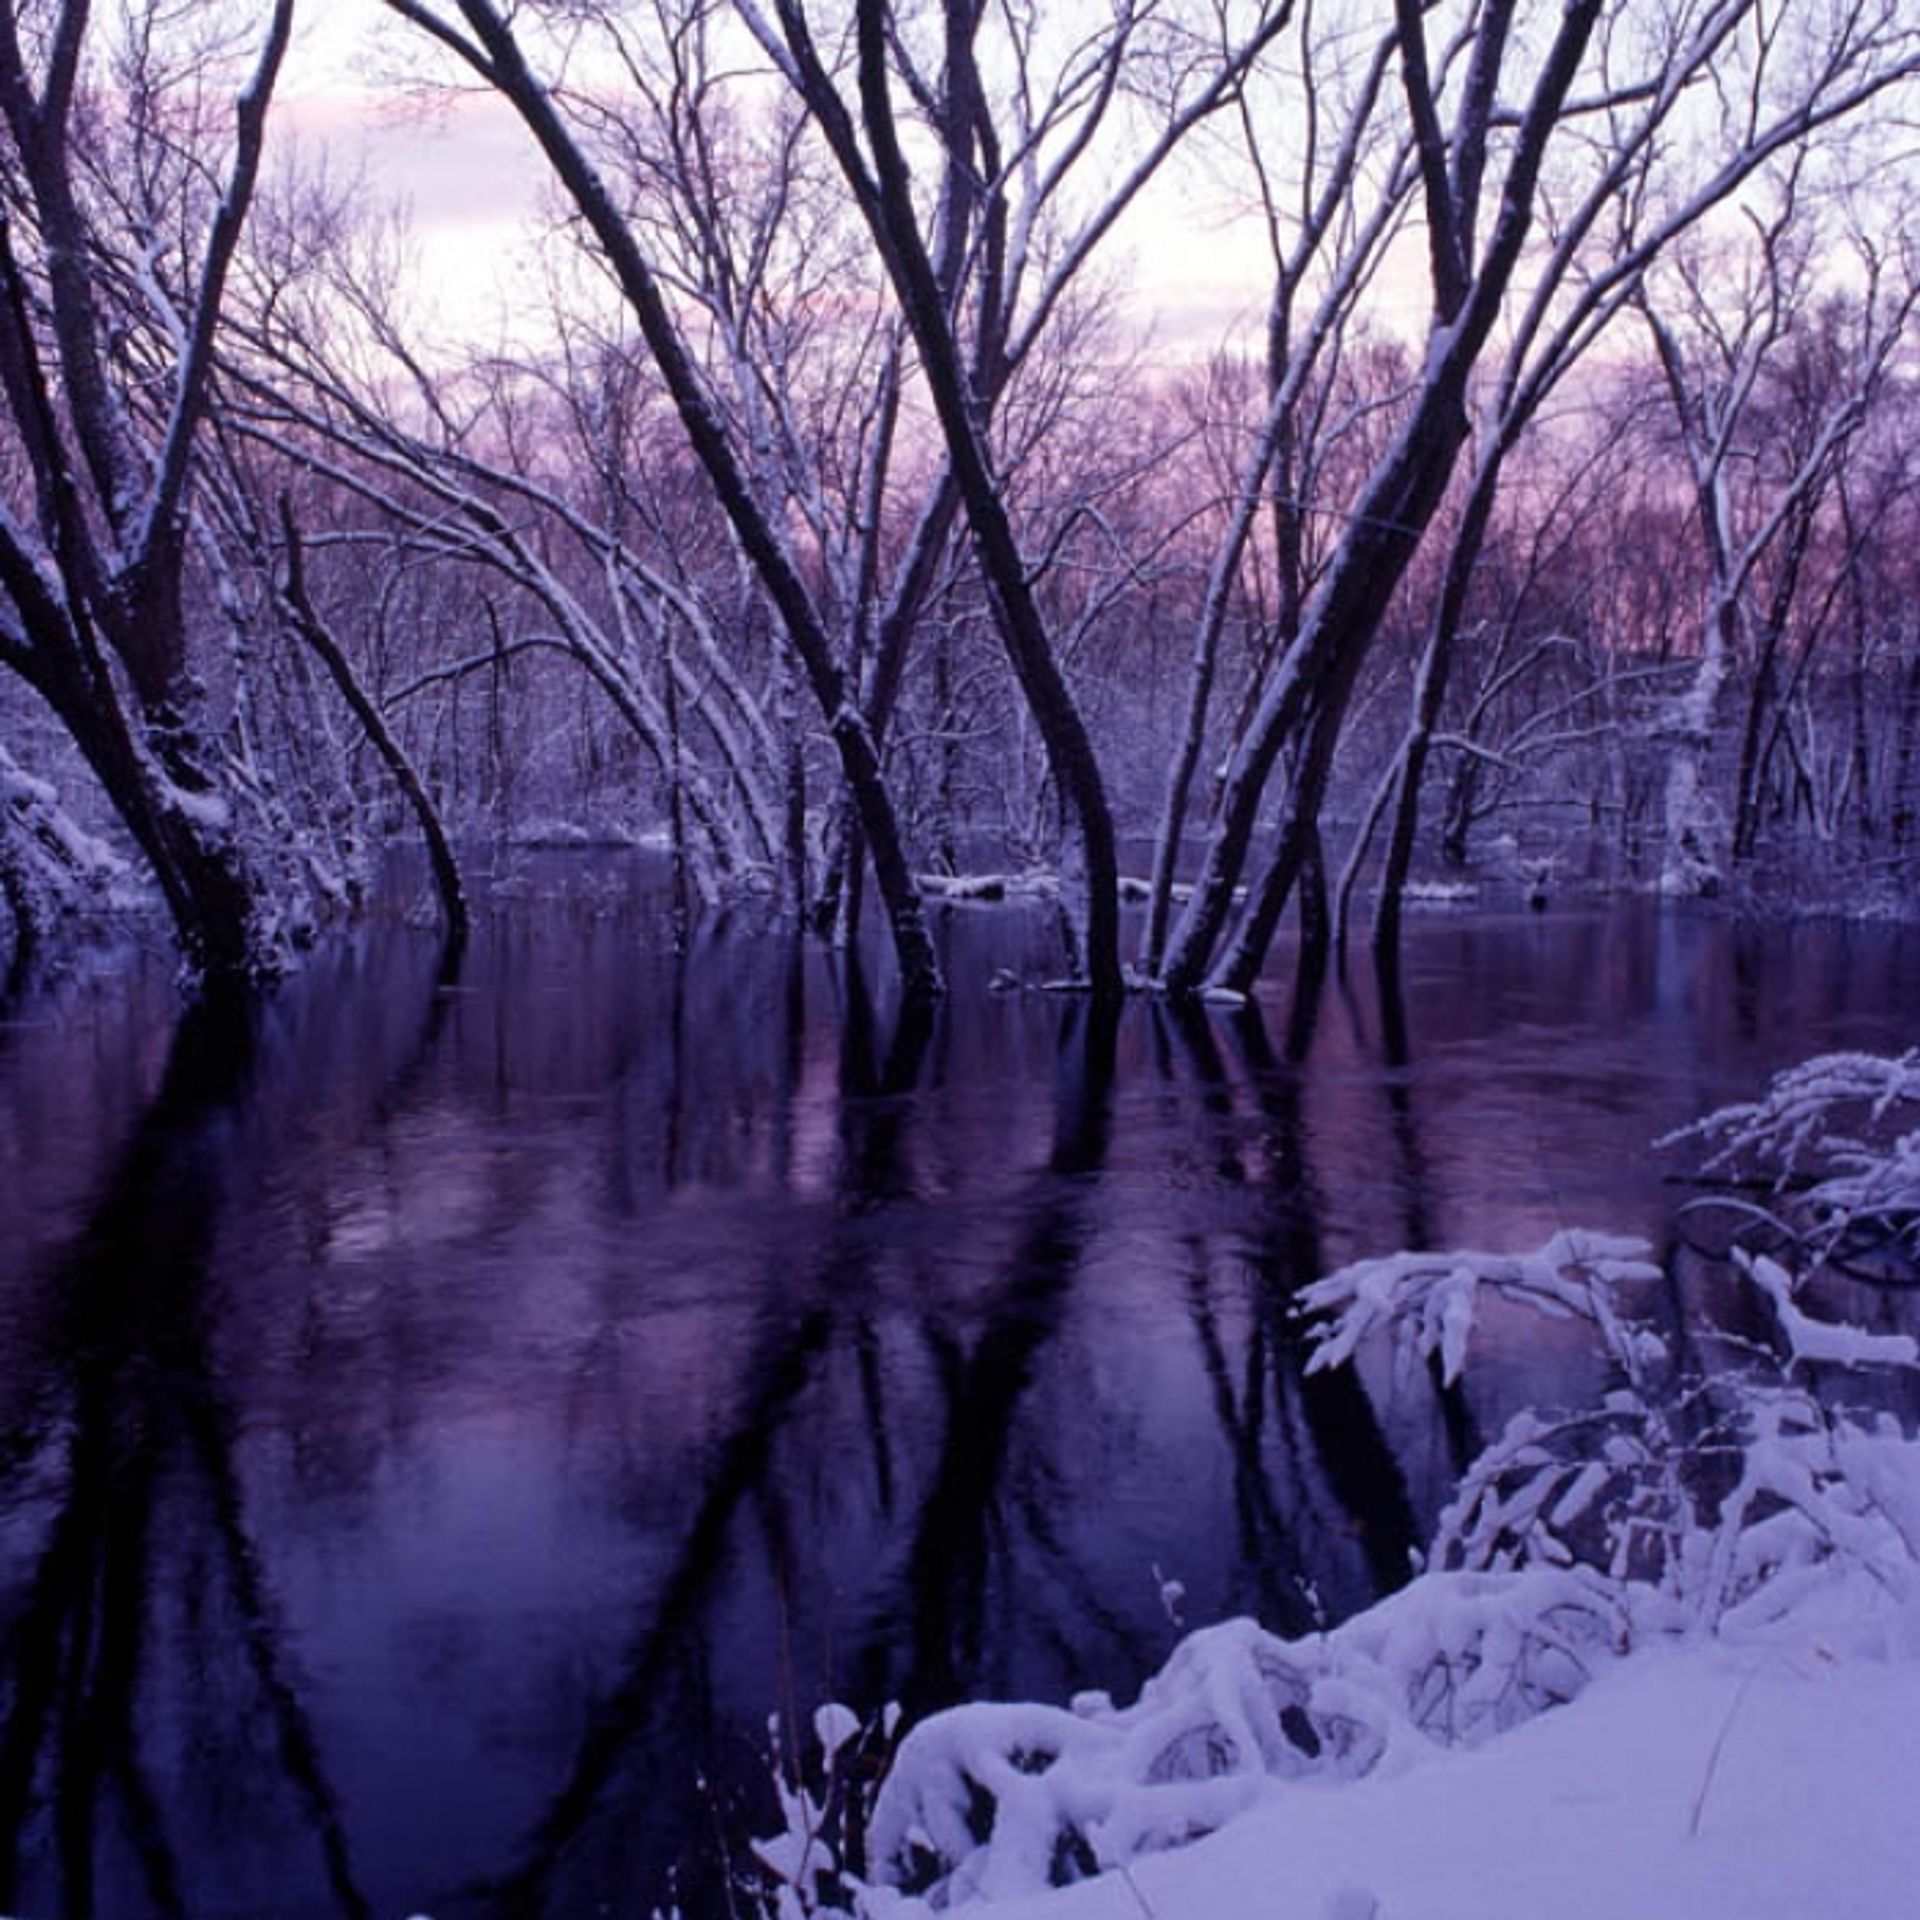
<point>441,1426</point>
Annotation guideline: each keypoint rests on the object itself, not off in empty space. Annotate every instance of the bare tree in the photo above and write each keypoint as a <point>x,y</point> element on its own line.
<point>1469,284</point>
<point>1764,419</point>
<point>482,37</point>
<point>974,288</point>
<point>1328,228</point>
<point>108,325</point>
<point>1607,208</point>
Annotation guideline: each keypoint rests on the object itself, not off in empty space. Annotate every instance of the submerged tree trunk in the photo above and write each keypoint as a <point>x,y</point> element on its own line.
<point>1318,671</point>
<point>1404,492</point>
<point>1017,617</point>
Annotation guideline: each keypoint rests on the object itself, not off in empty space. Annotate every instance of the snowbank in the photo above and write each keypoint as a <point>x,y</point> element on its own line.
<point>1701,1783</point>
<point>1765,1770</point>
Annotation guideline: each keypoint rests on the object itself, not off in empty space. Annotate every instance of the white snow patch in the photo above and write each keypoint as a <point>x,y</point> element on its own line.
<point>208,811</point>
<point>1823,1340</point>
<point>1700,1783</point>
<point>1036,883</point>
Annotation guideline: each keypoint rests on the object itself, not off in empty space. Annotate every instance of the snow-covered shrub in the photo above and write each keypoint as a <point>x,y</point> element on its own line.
<point>1834,1145</point>
<point>1429,1301</point>
<point>1602,1488</point>
<point>807,1867</point>
<point>1718,1512</point>
<point>992,1800</point>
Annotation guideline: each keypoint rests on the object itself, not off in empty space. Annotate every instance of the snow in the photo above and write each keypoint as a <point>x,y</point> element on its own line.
<point>1823,1340</point>
<point>1492,1746</point>
<point>1214,995</point>
<point>1433,1297</point>
<point>208,811</point>
<point>1038,883</point>
<point>1693,1784</point>
<point>1764,1771</point>
<point>833,1726</point>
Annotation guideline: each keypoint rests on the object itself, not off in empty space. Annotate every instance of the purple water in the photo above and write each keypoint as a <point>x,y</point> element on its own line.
<point>439,1428</point>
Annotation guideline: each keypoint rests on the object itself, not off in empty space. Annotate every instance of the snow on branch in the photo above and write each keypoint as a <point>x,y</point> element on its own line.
<point>1835,1343</point>
<point>991,1801</point>
<point>1816,1115</point>
<point>1431,1300</point>
<point>1836,1140</point>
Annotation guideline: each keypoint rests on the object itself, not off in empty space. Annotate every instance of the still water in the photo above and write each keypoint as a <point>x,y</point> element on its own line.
<point>440,1425</point>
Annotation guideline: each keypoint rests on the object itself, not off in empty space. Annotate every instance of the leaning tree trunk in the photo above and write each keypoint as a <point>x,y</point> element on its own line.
<point>497,55</point>
<point>1405,490</point>
<point>1017,617</point>
<point>1318,670</point>
<point>96,576</point>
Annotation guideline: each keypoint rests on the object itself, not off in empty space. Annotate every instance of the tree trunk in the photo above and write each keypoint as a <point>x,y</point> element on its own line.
<point>318,636</point>
<point>1337,630</point>
<point>1017,618</point>
<point>1746,790</point>
<point>186,834</point>
<point>504,66</point>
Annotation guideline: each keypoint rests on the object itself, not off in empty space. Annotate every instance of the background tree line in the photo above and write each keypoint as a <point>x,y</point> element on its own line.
<point>842,529</point>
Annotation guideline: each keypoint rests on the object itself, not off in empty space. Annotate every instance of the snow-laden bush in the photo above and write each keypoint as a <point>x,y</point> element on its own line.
<point>1719,1513</point>
<point>1735,1503</point>
<point>992,1800</point>
<point>1834,1148</point>
<point>1429,1301</point>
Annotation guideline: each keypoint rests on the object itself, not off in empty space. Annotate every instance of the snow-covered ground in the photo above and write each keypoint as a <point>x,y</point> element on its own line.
<point>1767,1772</point>
<point>1688,1784</point>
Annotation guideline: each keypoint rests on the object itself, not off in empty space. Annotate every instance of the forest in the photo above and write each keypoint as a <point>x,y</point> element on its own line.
<point>843,528</point>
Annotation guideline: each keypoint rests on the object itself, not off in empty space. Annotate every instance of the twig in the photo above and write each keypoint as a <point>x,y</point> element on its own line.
<point>1719,1746</point>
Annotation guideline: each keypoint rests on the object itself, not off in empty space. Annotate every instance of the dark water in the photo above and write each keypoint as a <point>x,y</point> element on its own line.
<point>439,1428</point>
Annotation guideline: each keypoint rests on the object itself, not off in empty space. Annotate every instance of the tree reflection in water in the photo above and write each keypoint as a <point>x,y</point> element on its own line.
<point>145,1675</point>
<point>467,1411</point>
